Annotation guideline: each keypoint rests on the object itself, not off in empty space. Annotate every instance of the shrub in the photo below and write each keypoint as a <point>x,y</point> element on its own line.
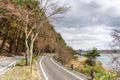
<point>91,55</point>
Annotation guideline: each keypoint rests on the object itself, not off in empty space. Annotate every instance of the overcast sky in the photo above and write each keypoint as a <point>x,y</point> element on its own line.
<point>89,23</point>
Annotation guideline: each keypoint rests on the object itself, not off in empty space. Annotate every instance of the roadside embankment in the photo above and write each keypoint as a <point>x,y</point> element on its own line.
<point>100,73</point>
<point>22,72</point>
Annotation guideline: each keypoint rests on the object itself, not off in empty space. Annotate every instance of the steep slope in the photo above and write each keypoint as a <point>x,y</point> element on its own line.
<point>48,40</point>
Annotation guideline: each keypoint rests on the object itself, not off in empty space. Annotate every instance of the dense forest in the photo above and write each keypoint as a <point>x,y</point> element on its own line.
<point>26,29</point>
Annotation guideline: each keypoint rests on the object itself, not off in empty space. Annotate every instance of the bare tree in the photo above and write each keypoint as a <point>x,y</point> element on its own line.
<point>32,17</point>
<point>116,46</point>
<point>39,20</point>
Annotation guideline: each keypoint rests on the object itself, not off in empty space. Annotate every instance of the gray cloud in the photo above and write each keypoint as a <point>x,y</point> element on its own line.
<point>91,13</point>
<point>88,24</point>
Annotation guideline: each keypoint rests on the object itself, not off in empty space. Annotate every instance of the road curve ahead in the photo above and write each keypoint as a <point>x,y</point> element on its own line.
<point>53,71</point>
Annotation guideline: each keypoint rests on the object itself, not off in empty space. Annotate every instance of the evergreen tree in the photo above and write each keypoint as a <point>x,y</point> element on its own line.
<point>91,55</point>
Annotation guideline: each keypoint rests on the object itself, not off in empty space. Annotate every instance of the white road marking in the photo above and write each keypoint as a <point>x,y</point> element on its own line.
<point>10,65</point>
<point>46,78</point>
<point>66,70</point>
<point>6,68</point>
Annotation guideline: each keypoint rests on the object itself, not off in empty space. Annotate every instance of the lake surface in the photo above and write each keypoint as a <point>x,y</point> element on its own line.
<point>107,60</point>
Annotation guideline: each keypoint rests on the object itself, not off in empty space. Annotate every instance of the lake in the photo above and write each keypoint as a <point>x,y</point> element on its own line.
<point>107,60</point>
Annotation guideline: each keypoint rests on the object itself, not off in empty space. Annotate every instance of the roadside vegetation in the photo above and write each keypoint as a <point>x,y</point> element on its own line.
<point>88,63</point>
<point>26,30</point>
<point>22,72</point>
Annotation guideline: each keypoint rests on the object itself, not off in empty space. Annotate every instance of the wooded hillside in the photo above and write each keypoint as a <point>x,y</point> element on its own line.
<point>25,28</point>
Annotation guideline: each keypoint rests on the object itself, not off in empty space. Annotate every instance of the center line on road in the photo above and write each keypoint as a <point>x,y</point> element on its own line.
<point>65,69</point>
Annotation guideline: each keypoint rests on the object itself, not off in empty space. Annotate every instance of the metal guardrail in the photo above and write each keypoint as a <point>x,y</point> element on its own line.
<point>6,68</point>
<point>11,65</point>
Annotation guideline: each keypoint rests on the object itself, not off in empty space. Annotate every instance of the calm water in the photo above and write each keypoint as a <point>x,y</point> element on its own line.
<point>107,60</point>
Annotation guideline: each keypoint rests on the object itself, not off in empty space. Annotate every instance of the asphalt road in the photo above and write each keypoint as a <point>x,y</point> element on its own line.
<point>8,62</point>
<point>51,70</point>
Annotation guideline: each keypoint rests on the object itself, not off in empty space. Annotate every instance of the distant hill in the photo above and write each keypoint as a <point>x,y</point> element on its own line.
<point>100,51</point>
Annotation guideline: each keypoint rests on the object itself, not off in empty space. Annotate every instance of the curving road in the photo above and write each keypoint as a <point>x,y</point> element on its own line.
<point>51,70</point>
<point>8,62</point>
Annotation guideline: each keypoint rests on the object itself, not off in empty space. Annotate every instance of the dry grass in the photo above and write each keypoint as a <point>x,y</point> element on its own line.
<point>2,56</point>
<point>79,63</point>
<point>21,72</point>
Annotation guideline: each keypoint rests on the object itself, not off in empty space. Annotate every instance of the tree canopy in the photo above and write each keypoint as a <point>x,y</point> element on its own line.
<point>92,53</point>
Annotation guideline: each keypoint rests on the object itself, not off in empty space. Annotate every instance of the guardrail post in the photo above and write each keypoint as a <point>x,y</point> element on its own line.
<point>72,66</point>
<point>92,74</point>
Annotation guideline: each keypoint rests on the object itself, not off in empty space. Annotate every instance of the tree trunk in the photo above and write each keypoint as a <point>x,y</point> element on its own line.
<point>27,58</point>
<point>11,46</point>
<point>18,41</point>
<point>31,51</point>
<point>13,40</point>
<point>0,33</point>
<point>27,52</point>
<point>3,43</point>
